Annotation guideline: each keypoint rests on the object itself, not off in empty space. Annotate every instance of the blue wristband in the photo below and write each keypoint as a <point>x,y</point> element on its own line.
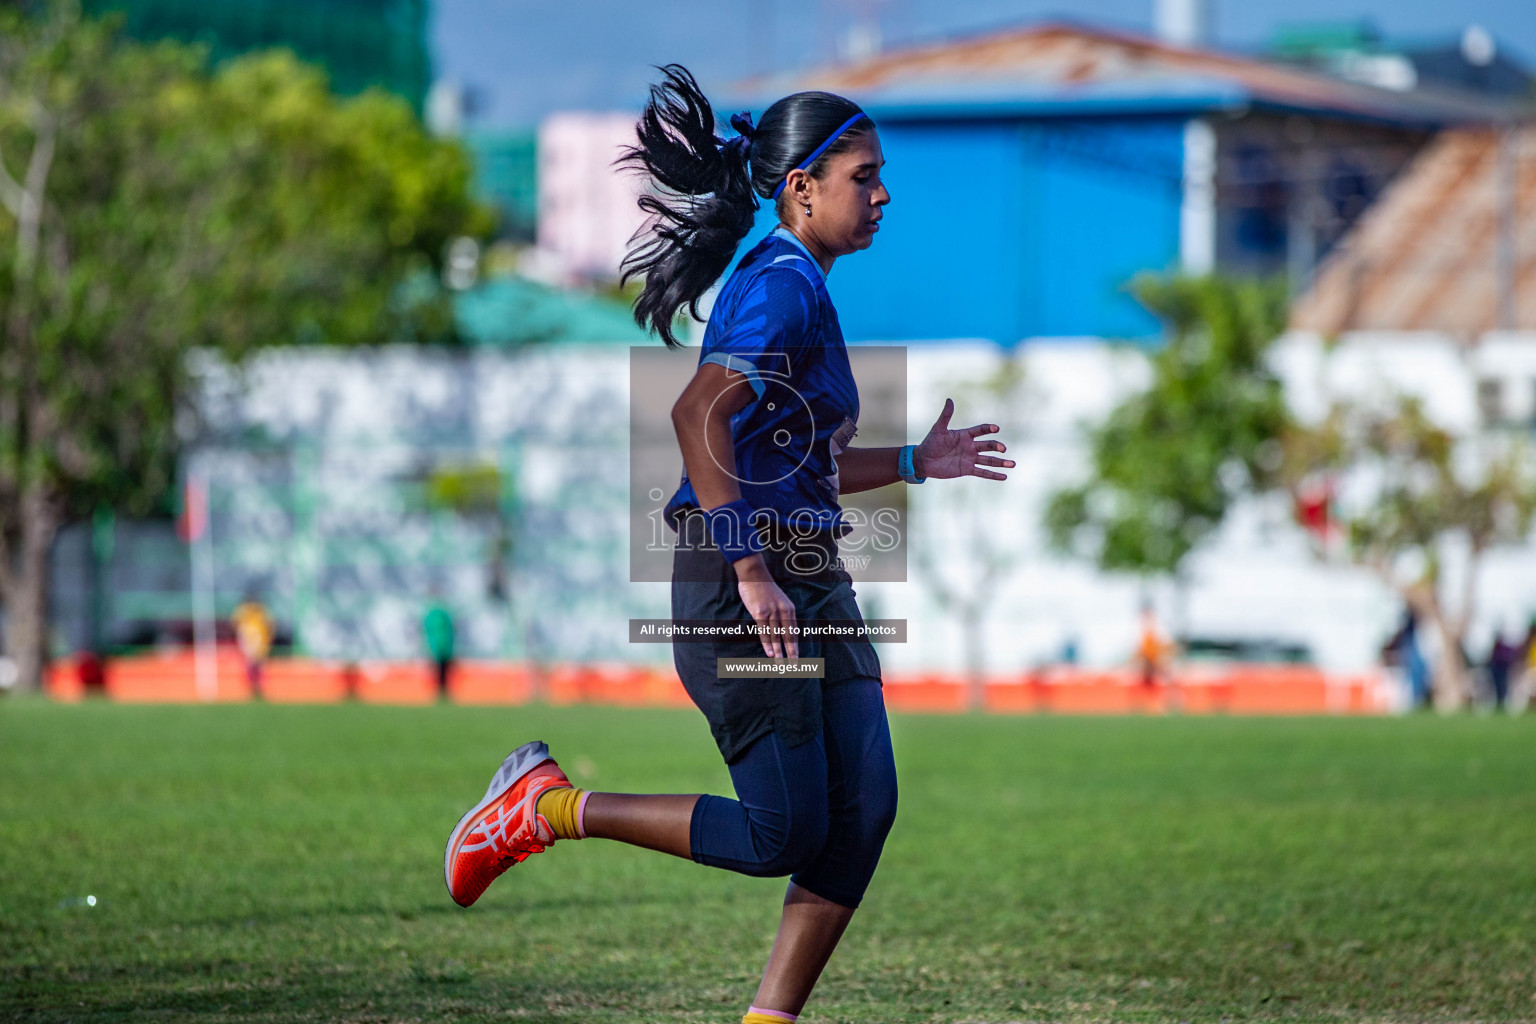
<point>905,467</point>
<point>730,527</point>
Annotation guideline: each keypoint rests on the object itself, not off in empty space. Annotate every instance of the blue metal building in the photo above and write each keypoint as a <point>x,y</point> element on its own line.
<point>1034,172</point>
<point>1009,227</point>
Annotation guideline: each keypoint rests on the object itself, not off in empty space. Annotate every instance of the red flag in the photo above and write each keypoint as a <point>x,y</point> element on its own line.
<point>1314,506</point>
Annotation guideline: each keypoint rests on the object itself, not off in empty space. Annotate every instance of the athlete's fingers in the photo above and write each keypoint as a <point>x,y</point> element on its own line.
<point>762,612</point>
<point>783,616</point>
<point>942,423</point>
<point>982,428</point>
<point>990,460</point>
<point>771,637</point>
<point>991,446</point>
<point>784,622</point>
<point>770,630</point>
<point>988,474</point>
<point>761,620</point>
<point>791,641</point>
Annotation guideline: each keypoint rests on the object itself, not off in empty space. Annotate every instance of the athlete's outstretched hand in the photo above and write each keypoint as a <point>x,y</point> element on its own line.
<point>945,453</point>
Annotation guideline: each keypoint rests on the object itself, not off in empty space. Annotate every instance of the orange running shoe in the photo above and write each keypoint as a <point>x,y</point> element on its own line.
<point>505,828</point>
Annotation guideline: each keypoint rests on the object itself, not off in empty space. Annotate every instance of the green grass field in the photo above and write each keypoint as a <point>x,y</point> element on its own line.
<point>285,864</point>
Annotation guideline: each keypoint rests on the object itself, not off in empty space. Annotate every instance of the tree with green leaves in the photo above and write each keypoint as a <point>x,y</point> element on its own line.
<point>1169,462</point>
<point>150,206</point>
<point>1409,495</point>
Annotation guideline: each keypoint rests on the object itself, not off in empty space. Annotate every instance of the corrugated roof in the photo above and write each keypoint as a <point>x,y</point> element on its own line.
<point>1059,63</point>
<point>1424,257</point>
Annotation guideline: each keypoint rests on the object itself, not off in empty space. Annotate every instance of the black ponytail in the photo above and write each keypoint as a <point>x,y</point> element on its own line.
<point>703,212</point>
<point>706,185</point>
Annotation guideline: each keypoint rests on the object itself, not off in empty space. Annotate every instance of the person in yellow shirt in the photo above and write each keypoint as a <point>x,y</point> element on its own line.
<point>1523,685</point>
<point>253,634</point>
<point>1153,651</point>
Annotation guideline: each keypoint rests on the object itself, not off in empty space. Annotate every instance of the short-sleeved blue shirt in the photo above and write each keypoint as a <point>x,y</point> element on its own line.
<point>774,323</point>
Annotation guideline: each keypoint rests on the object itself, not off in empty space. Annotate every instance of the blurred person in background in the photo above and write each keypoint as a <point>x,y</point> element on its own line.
<point>810,758</point>
<point>1523,685</point>
<point>1153,652</point>
<point>93,672</point>
<point>1525,657</point>
<point>1069,649</point>
<point>437,627</point>
<point>1502,658</point>
<point>1402,651</point>
<point>253,635</point>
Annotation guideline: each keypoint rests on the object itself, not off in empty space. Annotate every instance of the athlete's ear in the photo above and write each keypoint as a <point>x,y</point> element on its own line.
<point>799,184</point>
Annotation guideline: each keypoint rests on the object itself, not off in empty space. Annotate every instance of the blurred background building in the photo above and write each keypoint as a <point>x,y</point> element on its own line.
<point>1094,155</point>
<point>360,43</point>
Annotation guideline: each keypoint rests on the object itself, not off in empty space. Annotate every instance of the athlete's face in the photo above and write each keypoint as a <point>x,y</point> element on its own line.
<point>849,199</point>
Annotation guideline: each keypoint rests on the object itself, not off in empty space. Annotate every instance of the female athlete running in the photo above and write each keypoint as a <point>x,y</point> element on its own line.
<point>764,427</point>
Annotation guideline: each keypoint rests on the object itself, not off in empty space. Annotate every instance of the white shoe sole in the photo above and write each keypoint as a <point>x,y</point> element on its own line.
<point>518,763</point>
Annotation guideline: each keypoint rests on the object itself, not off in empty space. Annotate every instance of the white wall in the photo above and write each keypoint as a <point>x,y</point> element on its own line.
<point>1259,578</point>
<point>563,412</point>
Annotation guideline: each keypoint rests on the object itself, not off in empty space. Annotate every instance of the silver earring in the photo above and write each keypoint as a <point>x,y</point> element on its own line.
<point>807,210</point>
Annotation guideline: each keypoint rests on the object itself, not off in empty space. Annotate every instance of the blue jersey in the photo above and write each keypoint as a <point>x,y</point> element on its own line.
<point>774,323</point>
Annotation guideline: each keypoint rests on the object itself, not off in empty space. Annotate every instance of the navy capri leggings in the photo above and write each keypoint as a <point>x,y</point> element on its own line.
<point>810,759</point>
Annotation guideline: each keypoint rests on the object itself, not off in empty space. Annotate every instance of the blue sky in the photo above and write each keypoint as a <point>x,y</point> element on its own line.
<point>526,58</point>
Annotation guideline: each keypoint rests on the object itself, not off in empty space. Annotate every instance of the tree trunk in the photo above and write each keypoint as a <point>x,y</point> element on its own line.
<point>1449,677</point>
<point>1453,684</point>
<point>26,596</point>
<point>975,658</point>
<point>1453,678</point>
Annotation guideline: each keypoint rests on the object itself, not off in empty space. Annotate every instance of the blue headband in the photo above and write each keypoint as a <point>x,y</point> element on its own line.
<point>815,153</point>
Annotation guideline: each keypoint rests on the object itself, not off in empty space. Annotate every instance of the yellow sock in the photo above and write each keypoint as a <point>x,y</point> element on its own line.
<point>562,808</point>
<point>756,1016</point>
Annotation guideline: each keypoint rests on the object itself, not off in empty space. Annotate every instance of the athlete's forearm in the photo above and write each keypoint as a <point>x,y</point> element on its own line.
<point>864,469</point>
